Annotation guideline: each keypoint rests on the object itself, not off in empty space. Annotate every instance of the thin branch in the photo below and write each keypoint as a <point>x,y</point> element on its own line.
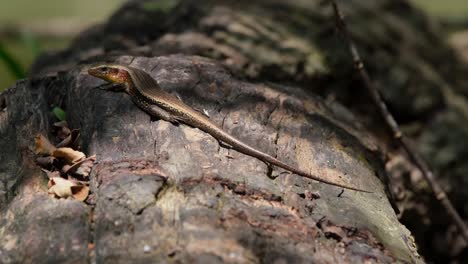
<point>417,160</point>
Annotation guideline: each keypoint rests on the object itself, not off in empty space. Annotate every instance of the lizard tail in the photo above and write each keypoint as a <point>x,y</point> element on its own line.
<point>248,150</point>
<point>274,161</point>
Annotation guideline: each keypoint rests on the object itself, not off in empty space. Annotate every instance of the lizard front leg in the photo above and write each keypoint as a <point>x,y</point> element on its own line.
<point>113,87</point>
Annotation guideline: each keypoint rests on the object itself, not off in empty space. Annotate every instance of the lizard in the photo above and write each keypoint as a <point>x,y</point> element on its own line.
<point>145,92</point>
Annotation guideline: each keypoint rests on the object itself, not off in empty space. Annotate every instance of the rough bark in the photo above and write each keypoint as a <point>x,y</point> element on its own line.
<point>166,192</point>
<point>172,193</point>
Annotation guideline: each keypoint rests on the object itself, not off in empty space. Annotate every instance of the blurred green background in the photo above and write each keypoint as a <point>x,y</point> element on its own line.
<point>451,10</point>
<point>28,27</point>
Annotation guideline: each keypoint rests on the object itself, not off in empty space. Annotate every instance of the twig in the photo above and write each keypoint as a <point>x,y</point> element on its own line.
<point>417,160</point>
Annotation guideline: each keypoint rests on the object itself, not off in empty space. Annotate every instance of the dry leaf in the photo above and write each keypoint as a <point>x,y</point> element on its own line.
<point>43,145</point>
<point>62,129</point>
<point>80,192</point>
<point>75,180</point>
<point>51,174</point>
<point>81,168</point>
<point>60,187</point>
<point>66,168</point>
<point>45,161</point>
<point>70,155</point>
<point>70,139</point>
<point>61,124</point>
<point>63,188</point>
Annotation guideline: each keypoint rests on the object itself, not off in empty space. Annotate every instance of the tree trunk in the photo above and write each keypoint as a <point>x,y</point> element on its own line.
<point>162,193</point>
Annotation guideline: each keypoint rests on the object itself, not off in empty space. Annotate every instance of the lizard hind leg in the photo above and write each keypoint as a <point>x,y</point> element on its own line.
<point>224,145</point>
<point>157,112</point>
<point>113,87</point>
<point>203,112</point>
<point>156,118</point>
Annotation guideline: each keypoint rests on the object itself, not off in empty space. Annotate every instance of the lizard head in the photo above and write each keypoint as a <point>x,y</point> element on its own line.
<point>115,74</point>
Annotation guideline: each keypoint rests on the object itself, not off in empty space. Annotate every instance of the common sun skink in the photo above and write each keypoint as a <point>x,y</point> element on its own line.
<point>149,96</point>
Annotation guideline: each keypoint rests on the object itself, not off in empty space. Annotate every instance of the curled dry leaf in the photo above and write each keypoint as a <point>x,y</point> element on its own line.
<point>62,188</point>
<point>66,168</point>
<point>43,145</point>
<point>51,174</point>
<point>81,168</point>
<point>75,180</point>
<point>45,161</point>
<point>80,192</point>
<point>70,155</point>
<point>70,139</point>
<point>61,124</point>
<point>62,129</point>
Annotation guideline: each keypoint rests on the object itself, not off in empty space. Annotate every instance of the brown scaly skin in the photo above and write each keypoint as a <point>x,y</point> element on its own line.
<point>146,94</point>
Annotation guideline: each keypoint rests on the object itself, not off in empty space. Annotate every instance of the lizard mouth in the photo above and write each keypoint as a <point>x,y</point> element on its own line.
<point>96,72</point>
<point>109,73</point>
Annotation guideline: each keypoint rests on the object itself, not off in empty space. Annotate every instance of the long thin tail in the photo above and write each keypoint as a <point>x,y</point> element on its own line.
<point>248,150</point>
<point>196,119</point>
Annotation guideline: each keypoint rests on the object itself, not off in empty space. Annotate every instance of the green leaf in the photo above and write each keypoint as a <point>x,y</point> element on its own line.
<point>12,64</point>
<point>59,113</point>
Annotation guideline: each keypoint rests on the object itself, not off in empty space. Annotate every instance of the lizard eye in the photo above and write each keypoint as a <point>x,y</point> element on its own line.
<point>104,69</point>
